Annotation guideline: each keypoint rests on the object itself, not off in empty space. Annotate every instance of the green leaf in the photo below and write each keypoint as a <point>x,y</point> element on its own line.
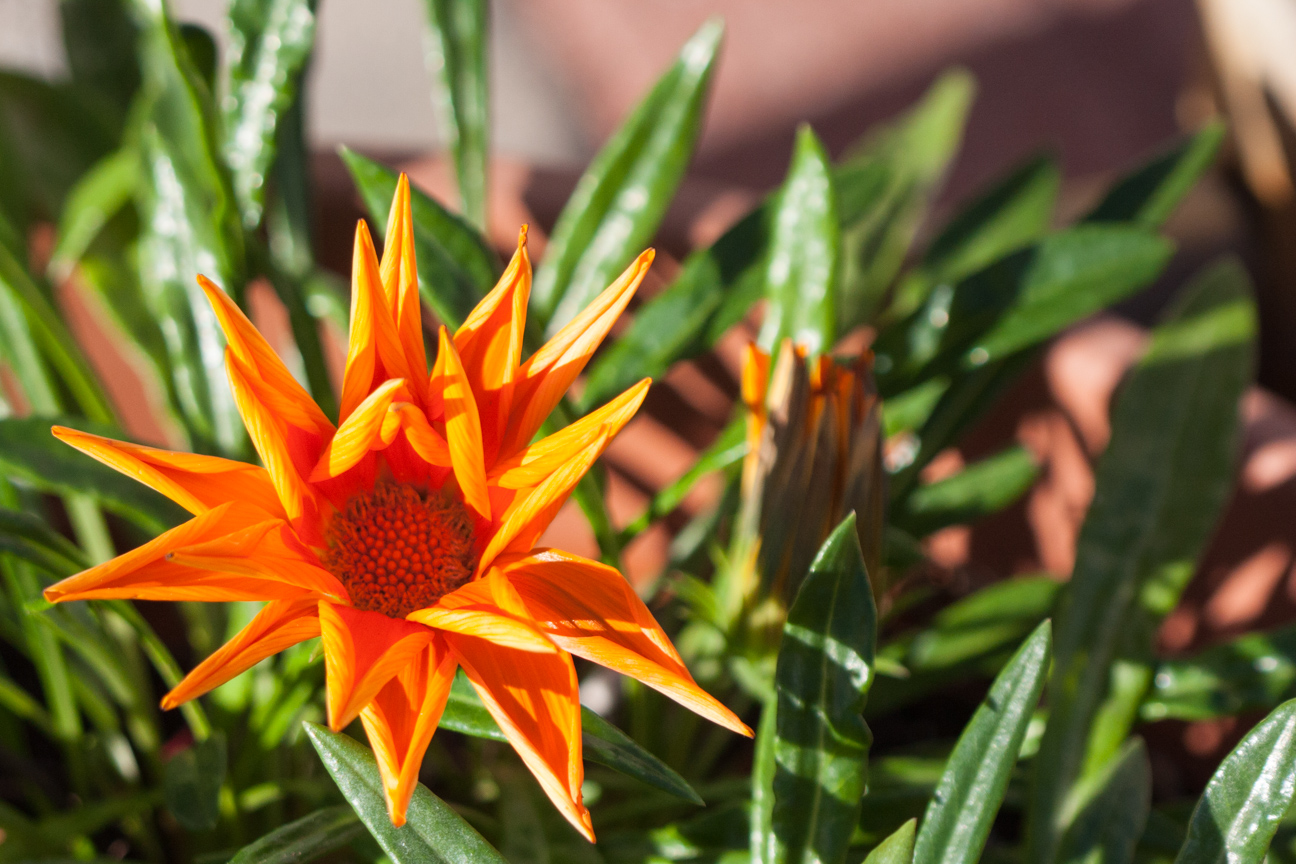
<point>913,155</point>
<point>30,454</point>
<point>619,202</point>
<point>963,808</point>
<point>99,195</point>
<point>825,668</point>
<point>602,742</point>
<point>896,849</point>
<point>193,782</point>
<point>1159,488</point>
<point>800,289</point>
<point>269,46</point>
<point>979,490</point>
<point>1018,301</point>
<point>1253,672</point>
<point>1246,799</point>
<point>100,41</point>
<point>191,226</point>
<point>1149,194</point>
<point>456,265</point>
<point>303,840</point>
<point>456,55</point>
<point>1015,212</point>
<point>433,832</point>
<point>1113,811</point>
<point>30,538</point>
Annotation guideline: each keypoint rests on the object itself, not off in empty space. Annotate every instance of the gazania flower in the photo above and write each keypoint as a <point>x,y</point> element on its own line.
<point>404,536</point>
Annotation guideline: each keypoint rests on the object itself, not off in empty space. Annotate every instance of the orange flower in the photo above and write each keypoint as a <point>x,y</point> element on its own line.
<point>404,536</point>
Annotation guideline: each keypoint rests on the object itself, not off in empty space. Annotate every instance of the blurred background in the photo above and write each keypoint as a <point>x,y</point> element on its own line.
<point>1099,83</point>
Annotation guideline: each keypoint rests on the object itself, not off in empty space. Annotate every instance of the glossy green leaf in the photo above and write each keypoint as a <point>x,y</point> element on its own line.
<point>1159,488</point>
<point>896,849</point>
<point>193,782</point>
<point>433,832</point>
<point>1148,195</point>
<point>456,55</point>
<point>621,199</point>
<point>825,669</point>
<point>1253,672</point>
<point>1247,797</point>
<point>717,286</point>
<point>602,742</point>
<point>269,46</point>
<point>1018,301</point>
<point>31,455</point>
<point>304,839</point>
<point>1112,811</point>
<point>1014,212</point>
<point>456,265</point>
<point>800,275</point>
<point>191,226</point>
<point>964,805</point>
<point>979,490</point>
<point>913,154</point>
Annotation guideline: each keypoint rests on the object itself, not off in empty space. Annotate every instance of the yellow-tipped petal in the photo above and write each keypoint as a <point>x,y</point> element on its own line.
<point>399,274</point>
<point>374,351</point>
<point>360,432</point>
<point>362,652</point>
<point>463,426</point>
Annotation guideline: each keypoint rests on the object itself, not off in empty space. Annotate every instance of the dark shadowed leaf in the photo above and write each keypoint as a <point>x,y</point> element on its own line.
<point>193,782</point>
<point>305,839</point>
<point>1113,810</point>
<point>1150,193</point>
<point>1253,672</point>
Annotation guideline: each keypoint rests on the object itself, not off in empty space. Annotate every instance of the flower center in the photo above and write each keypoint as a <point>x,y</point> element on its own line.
<point>397,549</point>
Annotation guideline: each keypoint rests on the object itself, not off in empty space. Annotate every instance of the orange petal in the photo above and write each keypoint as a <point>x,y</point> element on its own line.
<point>490,344</point>
<point>545,376</point>
<point>294,405</point>
<point>271,442</point>
<point>196,483</point>
<point>374,351</point>
<point>266,550</point>
<point>590,610</point>
<point>399,722</point>
<point>362,652</point>
<point>535,700</point>
<point>463,425</point>
<point>145,573</point>
<point>472,611</point>
<point>279,625</point>
<point>360,432</point>
<point>533,464</point>
<point>399,274</point>
<point>527,517</point>
<point>429,445</point>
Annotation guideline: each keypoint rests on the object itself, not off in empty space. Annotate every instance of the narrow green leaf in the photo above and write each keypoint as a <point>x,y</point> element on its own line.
<point>825,669</point>
<point>1248,796</point>
<point>100,41</point>
<point>1014,212</point>
<point>303,840</point>
<point>602,742</point>
<point>456,55</point>
<point>269,46</point>
<point>191,226</point>
<point>433,832</point>
<point>1113,809</point>
<point>800,290</point>
<point>896,849</point>
<point>456,265</point>
<point>1253,672</point>
<point>979,490</point>
<point>30,538</point>
<point>913,155</point>
<point>1148,195</point>
<point>963,808</point>
<point>619,202</point>
<point>1159,488</point>
<point>30,454</point>
<point>98,196</point>
<point>193,782</point>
